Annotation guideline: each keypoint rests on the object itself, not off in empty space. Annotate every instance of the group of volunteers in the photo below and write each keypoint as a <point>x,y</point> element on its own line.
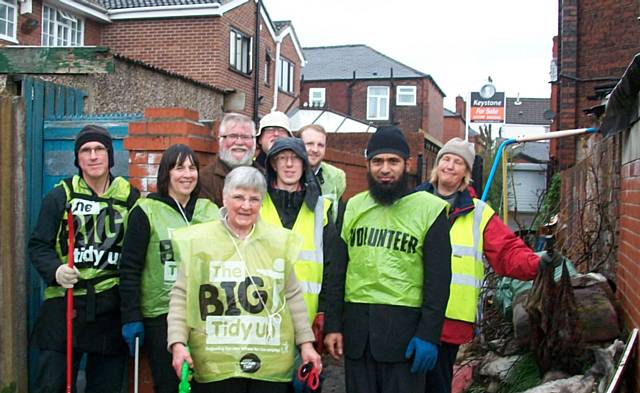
<point>251,268</point>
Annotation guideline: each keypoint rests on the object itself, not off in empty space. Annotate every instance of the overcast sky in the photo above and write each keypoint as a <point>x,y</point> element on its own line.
<point>458,42</point>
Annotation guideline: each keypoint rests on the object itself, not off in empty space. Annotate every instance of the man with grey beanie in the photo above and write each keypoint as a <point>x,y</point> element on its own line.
<point>475,231</point>
<point>98,203</point>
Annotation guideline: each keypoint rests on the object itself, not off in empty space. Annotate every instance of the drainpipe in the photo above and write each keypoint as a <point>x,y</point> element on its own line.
<point>350,93</point>
<point>256,64</point>
<point>392,107</point>
<point>275,78</point>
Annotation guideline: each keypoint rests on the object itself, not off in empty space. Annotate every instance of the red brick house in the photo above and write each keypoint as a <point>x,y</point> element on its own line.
<point>210,42</point>
<point>595,43</point>
<point>454,122</point>
<point>370,87</point>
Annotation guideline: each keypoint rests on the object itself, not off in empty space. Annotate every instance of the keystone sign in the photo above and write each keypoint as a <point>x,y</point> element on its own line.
<point>487,110</point>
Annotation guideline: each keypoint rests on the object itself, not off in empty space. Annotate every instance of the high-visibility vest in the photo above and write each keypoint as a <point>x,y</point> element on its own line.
<point>310,264</point>
<point>335,182</point>
<point>235,334</point>
<point>467,266</point>
<point>99,225</point>
<point>385,246</point>
<point>160,265</point>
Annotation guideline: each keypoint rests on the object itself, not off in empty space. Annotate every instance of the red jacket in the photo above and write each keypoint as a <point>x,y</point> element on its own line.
<point>507,254</point>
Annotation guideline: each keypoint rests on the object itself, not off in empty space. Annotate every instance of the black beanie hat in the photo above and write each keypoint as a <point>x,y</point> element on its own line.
<point>93,133</point>
<point>387,139</point>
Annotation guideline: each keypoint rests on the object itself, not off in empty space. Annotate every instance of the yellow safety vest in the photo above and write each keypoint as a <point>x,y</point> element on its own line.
<point>467,266</point>
<point>309,266</point>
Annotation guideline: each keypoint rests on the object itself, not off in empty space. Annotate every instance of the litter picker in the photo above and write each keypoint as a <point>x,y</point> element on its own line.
<point>70,252</point>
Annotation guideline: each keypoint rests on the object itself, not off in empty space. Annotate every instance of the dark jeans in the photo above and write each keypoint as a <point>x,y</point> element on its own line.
<point>240,385</point>
<point>104,373</point>
<point>366,375</point>
<point>440,378</point>
<point>164,376</point>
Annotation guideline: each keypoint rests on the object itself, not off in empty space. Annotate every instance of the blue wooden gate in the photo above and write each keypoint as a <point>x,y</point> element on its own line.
<point>54,115</point>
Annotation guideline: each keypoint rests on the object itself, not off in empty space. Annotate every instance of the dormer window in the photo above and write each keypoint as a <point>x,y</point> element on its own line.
<point>61,28</point>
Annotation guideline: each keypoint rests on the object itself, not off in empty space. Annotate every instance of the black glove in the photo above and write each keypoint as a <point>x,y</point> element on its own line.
<point>550,259</point>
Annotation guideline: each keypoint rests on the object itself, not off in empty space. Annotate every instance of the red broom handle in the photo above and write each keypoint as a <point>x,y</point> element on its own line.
<point>70,303</point>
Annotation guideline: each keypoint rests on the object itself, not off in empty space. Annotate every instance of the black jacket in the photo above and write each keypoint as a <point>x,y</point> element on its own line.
<point>388,329</point>
<point>99,336</point>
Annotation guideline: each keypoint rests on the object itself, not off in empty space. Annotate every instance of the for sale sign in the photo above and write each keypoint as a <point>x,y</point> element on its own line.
<point>487,110</point>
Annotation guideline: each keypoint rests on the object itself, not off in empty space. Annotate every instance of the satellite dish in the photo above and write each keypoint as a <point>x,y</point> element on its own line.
<point>487,90</point>
<point>548,114</point>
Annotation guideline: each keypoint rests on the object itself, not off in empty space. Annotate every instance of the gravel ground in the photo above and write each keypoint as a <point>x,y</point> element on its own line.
<point>333,372</point>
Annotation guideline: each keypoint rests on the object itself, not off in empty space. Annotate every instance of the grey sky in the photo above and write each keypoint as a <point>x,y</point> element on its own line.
<point>459,43</point>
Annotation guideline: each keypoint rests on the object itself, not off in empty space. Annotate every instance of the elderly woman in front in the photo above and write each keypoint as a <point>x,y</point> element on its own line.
<point>236,302</point>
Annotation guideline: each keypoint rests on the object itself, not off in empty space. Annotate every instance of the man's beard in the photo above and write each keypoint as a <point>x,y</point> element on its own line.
<point>227,157</point>
<point>387,193</point>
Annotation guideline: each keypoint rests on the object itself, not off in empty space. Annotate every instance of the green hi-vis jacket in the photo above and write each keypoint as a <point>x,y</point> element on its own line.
<point>236,308</point>
<point>99,225</point>
<point>160,266</point>
<point>385,262</point>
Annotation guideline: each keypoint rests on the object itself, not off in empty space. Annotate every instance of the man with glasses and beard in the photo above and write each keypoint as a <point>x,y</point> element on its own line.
<point>386,306</point>
<point>237,145</point>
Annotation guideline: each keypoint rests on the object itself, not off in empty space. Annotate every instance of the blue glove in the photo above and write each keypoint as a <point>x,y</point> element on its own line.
<point>424,355</point>
<point>129,332</point>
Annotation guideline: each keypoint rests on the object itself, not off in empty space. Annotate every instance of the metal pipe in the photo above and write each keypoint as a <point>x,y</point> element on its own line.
<point>531,138</point>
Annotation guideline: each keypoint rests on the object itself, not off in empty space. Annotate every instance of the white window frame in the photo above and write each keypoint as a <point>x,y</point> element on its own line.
<point>406,91</point>
<point>240,51</point>
<point>10,22</point>
<point>317,102</point>
<point>286,80</point>
<point>381,104</point>
<point>61,28</point>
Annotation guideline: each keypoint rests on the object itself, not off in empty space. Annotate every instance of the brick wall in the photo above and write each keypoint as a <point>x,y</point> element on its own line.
<point>453,126</point>
<point>161,128</point>
<point>597,39</point>
<point>628,277</point>
<point>34,37</point>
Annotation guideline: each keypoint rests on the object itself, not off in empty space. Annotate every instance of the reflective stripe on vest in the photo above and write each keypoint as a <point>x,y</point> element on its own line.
<point>310,264</point>
<point>467,266</point>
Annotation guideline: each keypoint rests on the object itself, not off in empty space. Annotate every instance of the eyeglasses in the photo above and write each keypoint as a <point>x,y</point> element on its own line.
<point>98,150</point>
<point>236,137</point>
<point>284,158</point>
<point>240,199</point>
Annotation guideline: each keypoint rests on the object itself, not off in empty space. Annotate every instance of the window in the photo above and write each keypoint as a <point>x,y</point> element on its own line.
<point>285,79</point>
<point>240,52</point>
<point>8,19</point>
<point>267,69</point>
<point>377,103</point>
<point>406,96</point>
<point>59,28</point>
<point>316,97</point>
